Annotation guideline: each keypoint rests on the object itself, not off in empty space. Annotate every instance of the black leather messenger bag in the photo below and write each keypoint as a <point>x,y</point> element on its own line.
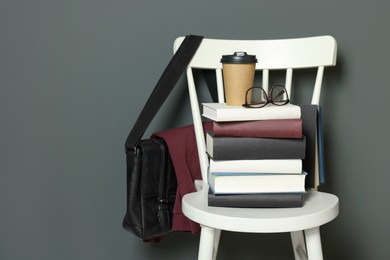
<point>151,179</point>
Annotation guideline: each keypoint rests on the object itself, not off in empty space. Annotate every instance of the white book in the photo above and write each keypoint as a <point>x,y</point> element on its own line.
<point>285,166</point>
<point>246,183</point>
<point>220,112</point>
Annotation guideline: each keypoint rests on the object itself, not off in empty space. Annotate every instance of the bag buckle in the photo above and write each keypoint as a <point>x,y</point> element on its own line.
<point>162,204</point>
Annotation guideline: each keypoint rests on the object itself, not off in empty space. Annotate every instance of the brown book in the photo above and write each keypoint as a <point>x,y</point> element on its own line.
<point>278,128</point>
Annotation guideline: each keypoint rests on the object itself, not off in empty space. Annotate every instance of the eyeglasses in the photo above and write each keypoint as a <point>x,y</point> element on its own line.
<point>256,97</point>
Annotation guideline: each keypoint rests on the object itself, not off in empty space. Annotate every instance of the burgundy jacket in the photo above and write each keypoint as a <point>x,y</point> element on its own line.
<point>184,153</point>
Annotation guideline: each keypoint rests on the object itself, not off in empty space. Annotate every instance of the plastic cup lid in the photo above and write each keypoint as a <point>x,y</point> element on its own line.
<point>239,57</point>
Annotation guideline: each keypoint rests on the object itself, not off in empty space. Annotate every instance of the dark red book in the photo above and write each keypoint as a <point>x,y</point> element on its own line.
<point>278,128</point>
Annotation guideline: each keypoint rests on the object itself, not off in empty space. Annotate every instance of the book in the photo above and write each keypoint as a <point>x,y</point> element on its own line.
<point>321,159</point>
<point>285,166</point>
<point>309,127</point>
<point>250,148</point>
<point>274,128</point>
<point>256,200</point>
<point>249,182</point>
<point>221,112</point>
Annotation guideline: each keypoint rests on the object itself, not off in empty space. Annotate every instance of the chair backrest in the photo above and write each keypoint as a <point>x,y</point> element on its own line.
<point>273,55</point>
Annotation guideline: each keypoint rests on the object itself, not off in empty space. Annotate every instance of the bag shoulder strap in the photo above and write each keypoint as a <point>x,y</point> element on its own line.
<point>163,88</point>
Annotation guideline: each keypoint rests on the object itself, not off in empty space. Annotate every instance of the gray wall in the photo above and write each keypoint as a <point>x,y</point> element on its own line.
<point>75,74</point>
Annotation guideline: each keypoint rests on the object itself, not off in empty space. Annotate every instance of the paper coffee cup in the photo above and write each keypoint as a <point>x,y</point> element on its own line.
<point>238,76</point>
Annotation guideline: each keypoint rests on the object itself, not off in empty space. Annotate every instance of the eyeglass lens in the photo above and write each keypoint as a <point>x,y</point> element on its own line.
<point>257,97</point>
<point>278,95</point>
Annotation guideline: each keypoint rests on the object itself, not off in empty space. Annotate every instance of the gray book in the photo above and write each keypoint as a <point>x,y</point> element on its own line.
<point>252,148</point>
<point>260,200</point>
<point>309,129</point>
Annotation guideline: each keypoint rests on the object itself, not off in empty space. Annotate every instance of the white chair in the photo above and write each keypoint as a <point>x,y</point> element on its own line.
<point>319,207</point>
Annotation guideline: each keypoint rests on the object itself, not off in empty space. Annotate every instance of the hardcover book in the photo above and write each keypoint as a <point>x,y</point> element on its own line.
<point>220,112</point>
<point>256,200</point>
<point>309,128</point>
<point>249,148</point>
<point>321,160</point>
<point>276,128</point>
<point>246,182</point>
<point>285,166</point>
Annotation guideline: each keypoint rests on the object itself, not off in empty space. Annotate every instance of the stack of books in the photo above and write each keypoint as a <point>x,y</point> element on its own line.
<point>255,156</point>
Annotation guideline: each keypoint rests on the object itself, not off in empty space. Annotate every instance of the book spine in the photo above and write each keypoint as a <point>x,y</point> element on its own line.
<point>268,200</point>
<point>309,128</point>
<point>220,113</point>
<point>285,166</point>
<point>277,128</point>
<point>253,148</point>
<point>321,160</point>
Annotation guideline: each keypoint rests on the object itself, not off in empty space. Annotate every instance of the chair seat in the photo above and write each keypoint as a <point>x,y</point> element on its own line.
<point>319,208</point>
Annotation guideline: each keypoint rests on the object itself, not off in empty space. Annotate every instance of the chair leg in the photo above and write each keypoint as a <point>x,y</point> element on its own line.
<point>313,244</point>
<point>299,247</point>
<point>206,244</point>
<point>217,236</point>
